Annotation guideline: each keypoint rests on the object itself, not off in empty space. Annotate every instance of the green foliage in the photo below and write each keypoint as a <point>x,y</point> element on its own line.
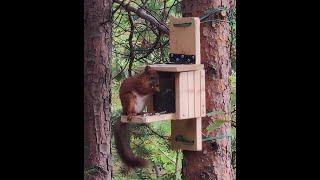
<point>213,113</point>
<point>216,124</point>
<point>233,36</point>
<point>152,147</point>
<point>233,81</point>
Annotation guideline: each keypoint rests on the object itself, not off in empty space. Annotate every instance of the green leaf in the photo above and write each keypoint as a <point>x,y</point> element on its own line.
<point>215,113</point>
<point>216,124</point>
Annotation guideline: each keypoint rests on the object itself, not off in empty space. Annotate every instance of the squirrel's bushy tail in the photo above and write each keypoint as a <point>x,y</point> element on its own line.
<point>121,135</point>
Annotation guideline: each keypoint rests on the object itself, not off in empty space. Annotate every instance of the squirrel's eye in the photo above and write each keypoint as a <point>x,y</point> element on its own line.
<point>152,77</point>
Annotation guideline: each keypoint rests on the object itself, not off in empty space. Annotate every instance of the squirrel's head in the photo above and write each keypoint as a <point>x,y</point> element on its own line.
<point>152,78</point>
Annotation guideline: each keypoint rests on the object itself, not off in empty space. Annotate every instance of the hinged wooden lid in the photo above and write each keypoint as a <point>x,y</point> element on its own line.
<point>185,36</point>
<point>175,67</point>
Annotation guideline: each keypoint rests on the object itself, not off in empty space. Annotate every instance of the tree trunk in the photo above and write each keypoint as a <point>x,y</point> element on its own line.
<point>97,89</point>
<point>214,162</point>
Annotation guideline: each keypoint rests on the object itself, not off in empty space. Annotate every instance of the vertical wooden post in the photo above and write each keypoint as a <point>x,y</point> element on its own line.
<point>185,134</point>
<point>190,103</point>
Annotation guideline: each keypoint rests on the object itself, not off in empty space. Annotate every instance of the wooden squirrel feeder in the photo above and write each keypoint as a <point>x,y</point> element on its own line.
<point>182,87</point>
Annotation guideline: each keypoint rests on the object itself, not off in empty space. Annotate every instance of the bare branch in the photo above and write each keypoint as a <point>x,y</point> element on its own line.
<point>150,50</point>
<point>144,3</point>
<point>144,15</point>
<point>120,72</point>
<point>117,8</point>
<point>164,9</point>
<point>154,132</point>
<point>132,54</point>
<point>176,168</point>
<point>120,14</point>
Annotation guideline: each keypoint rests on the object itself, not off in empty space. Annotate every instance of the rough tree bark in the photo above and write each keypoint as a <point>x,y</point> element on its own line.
<point>97,89</point>
<point>214,162</point>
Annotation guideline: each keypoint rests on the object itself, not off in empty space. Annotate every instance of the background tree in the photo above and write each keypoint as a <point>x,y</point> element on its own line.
<point>214,162</point>
<point>97,89</point>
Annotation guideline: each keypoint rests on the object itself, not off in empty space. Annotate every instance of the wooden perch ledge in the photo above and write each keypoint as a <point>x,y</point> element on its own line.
<point>149,119</point>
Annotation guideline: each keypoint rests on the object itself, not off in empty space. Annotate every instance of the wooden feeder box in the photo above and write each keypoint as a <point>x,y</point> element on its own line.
<point>182,88</point>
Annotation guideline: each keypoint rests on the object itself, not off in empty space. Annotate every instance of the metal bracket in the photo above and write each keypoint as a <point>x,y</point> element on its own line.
<point>182,59</point>
<point>182,24</point>
<point>180,138</point>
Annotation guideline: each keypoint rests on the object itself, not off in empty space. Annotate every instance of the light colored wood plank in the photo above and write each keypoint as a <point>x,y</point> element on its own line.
<point>199,134</point>
<point>182,95</point>
<point>198,44</point>
<point>197,93</point>
<point>189,129</point>
<point>175,67</point>
<point>177,94</point>
<point>185,40</point>
<point>149,105</point>
<point>191,94</point>
<point>149,119</point>
<point>203,93</point>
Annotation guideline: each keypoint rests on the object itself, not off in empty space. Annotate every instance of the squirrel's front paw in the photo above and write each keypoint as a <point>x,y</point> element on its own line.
<point>130,116</point>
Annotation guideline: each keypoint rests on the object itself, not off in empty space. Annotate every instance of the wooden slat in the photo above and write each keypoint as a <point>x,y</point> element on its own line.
<point>182,95</point>
<point>177,94</point>
<point>197,46</point>
<point>185,40</point>
<point>197,92</point>
<point>199,134</point>
<point>203,93</point>
<point>175,67</point>
<point>149,119</point>
<point>191,94</point>
<point>190,129</point>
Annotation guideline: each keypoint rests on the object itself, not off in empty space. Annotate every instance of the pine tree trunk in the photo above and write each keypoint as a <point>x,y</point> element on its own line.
<point>97,89</point>
<point>214,162</point>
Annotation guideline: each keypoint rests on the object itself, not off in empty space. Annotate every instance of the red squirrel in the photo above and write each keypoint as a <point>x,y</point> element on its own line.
<point>134,92</point>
